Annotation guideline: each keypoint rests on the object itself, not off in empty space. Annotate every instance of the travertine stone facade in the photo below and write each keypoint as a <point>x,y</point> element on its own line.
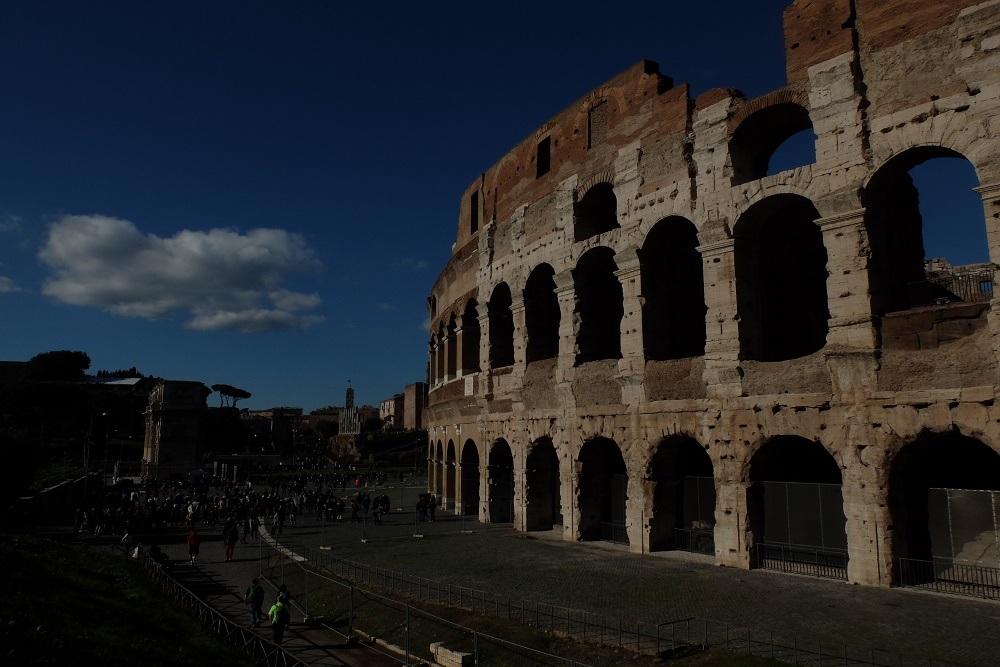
<point>634,302</point>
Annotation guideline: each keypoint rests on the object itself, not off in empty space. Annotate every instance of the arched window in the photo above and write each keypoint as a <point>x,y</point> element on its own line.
<point>781,280</point>
<point>755,144</point>
<point>673,313</point>
<point>541,314</point>
<point>600,305</point>
<point>602,491</point>
<point>501,327</point>
<point>470,338</point>
<point>596,212</point>
<point>927,232</point>
<point>543,501</point>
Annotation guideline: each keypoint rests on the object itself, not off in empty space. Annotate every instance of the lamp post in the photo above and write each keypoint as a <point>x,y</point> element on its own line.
<point>107,430</point>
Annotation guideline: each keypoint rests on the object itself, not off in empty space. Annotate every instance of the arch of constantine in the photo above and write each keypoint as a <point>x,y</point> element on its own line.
<point>646,334</point>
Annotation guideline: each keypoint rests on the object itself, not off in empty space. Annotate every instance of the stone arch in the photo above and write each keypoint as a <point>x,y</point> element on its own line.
<point>680,479</point>
<point>470,338</point>
<point>795,507</point>
<point>600,306</point>
<point>470,478</point>
<point>543,502</point>
<point>602,491</point>
<point>899,274</point>
<point>448,497</point>
<point>596,212</point>
<point>541,314</point>
<point>673,290</point>
<point>500,480</point>
<point>780,280</point>
<point>501,327</point>
<point>451,348</point>
<point>760,127</point>
<point>941,508</point>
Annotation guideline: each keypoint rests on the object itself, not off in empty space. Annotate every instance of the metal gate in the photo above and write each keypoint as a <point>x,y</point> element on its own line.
<point>697,517</point>
<point>804,529</point>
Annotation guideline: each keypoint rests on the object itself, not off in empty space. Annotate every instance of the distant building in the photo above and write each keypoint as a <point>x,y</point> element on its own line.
<point>414,403</point>
<point>391,412</point>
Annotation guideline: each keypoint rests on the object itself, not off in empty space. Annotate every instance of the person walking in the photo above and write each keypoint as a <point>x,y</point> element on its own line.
<point>255,600</point>
<point>230,536</point>
<point>194,545</point>
<point>280,618</point>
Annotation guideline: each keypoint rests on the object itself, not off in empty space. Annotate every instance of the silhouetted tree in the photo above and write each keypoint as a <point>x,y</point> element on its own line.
<point>59,365</point>
<point>227,391</point>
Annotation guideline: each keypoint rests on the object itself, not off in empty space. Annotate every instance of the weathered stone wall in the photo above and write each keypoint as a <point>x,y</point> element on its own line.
<point>881,83</point>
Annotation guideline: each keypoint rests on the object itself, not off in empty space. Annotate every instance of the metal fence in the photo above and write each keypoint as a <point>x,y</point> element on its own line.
<point>614,532</point>
<point>948,576</point>
<point>696,540</point>
<point>951,289</point>
<point>815,562</point>
<point>261,650</point>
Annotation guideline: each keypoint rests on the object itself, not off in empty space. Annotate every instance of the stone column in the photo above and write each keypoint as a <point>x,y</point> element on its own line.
<point>459,350</point>
<point>851,339</point>
<point>485,377</point>
<point>722,333</point>
<point>866,503</point>
<point>432,367</point>
<point>569,325</point>
<point>520,349</point>
<point>631,367</point>
<point>449,348</point>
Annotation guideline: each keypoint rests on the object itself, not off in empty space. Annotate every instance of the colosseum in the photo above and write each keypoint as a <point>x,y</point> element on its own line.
<point>644,335</point>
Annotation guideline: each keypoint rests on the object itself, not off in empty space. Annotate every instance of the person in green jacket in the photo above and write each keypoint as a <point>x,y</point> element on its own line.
<point>280,616</point>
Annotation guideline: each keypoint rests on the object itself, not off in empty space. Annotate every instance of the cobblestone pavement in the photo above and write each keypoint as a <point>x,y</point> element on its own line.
<point>608,580</point>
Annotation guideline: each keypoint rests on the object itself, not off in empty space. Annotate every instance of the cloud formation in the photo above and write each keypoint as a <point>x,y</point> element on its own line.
<point>8,285</point>
<point>220,279</point>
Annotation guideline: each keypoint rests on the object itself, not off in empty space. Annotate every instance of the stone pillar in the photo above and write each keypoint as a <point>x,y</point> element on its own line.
<point>459,350</point>
<point>722,333</point>
<point>440,358</point>
<point>631,367</point>
<point>520,349</point>
<point>432,368</point>
<point>866,507</point>
<point>851,340</point>
<point>485,377</point>
<point>569,325</point>
<point>732,536</point>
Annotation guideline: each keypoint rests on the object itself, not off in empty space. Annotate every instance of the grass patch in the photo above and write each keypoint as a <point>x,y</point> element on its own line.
<point>72,606</point>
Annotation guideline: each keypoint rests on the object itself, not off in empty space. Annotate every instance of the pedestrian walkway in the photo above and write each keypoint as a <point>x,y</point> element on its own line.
<point>221,584</point>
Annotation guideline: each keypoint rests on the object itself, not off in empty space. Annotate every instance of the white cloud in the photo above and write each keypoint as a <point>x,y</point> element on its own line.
<point>221,279</point>
<point>11,223</point>
<point>8,285</point>
<point>414,264</point>
<point>385,306</point>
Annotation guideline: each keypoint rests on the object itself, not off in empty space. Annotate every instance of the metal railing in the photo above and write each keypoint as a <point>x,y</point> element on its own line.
<point>614,532</point>
<point>695,540</point>
<point>820,562</point>
<point>261,650</point>
<point>948,576</point>
<point>967,287</point>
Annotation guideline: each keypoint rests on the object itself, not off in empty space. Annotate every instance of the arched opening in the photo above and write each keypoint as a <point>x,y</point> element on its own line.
<point>596,212</point>
<point>448,497</point>
<point>780,280</point>
<point>600,306</point>
<point>439,340</point>
<point>501,483</point>
<point>795,509</point>
<point>501,327</point>
<point>927,232</point>
<point>541,314</point>
<point>602,492</point>
<point>470,479</point>
<point>451,348</point>
<point>944,495</point>
<point>470,338</point>
<point>755,144</point>
<point>673,288</point>
<point>683,483</point>
<point>544,503</point>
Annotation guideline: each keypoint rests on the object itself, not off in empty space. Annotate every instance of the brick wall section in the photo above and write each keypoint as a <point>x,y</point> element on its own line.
<point>815,31</point>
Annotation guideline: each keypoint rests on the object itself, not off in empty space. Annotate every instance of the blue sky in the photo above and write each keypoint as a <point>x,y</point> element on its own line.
<point>261,194</point>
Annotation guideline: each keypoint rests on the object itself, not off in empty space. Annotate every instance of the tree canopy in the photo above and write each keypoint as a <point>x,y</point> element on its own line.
<point>59,365</point>
<point>233,394</point>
